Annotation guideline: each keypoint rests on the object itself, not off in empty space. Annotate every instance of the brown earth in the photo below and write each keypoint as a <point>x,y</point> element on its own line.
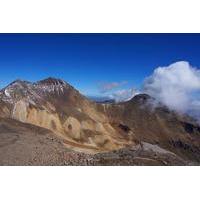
<point>51,123</point>
<point>28,145</point>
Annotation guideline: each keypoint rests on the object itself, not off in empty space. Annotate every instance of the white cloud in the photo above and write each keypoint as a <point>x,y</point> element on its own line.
<point>176,86</point>
<point>123,95</point>
<point>107,87</point>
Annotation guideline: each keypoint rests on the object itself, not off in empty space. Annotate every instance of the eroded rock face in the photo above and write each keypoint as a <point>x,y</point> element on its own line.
<point>82,128</point>
<point>20,111</point>
<point>87,125</point>
<point>73,127</point>
<point>4,110</point>
<point>24,113</point>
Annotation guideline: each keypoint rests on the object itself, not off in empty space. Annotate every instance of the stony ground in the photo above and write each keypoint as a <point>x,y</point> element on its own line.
<point>24,144</point>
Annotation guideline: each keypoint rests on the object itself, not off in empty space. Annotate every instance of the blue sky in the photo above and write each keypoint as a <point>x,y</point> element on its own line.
<point>85,60</point>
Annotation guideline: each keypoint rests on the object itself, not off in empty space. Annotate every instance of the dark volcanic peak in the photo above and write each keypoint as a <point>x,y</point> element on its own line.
<point>52,86</point>
<point>141,98</point>
<point>52,81</point>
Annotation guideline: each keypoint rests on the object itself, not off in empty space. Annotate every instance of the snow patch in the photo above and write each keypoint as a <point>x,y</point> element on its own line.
<point>7,93</point>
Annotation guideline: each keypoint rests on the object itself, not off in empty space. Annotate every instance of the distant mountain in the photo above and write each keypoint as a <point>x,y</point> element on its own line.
<point>99,99</point>
<point>140,127</point>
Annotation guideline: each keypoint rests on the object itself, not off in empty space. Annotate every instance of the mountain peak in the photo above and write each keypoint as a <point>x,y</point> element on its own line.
<point>34,92</point>
<point>141,98</point>
<point>52,81</point>
<point>19,81</point>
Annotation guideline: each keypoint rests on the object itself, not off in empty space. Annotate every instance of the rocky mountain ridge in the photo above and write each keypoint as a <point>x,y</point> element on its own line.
<point>57,106</point>
<point>94,128</point>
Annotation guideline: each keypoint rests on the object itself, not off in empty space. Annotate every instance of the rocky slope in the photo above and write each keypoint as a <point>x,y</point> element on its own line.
<point>154,123</point>
<point>140,131</point>
<point>29,145</point>
<point>57,106</point>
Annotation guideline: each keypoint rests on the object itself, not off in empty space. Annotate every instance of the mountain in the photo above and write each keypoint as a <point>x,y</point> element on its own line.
<point>154,123</point>
<point>101,99</point>
<point>140,131</point>
<point>57,106</point>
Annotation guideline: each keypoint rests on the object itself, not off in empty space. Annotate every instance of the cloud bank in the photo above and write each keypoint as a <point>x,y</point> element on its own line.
<point>177,86</point>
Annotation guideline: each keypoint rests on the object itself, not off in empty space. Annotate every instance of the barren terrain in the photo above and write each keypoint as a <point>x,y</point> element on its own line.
<point>50,123</point>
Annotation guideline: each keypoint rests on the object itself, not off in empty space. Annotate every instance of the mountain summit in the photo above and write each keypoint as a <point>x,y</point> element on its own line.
<point>54,104</point>
<point>116,129</point>
<point>51,80</point>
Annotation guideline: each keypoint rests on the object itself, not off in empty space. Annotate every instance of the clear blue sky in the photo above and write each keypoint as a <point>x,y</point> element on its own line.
<point>84,60</point>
